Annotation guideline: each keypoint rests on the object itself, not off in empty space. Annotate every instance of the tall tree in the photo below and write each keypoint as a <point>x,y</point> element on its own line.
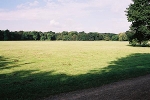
<point>139,14</point>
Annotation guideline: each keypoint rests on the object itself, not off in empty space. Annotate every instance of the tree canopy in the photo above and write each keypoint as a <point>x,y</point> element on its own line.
<point>139,14</point>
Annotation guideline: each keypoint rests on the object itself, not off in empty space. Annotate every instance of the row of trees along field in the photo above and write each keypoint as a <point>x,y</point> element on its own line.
<point>6,35</point>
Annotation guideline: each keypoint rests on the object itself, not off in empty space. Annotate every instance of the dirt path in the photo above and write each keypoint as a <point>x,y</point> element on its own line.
<point>132,89</point>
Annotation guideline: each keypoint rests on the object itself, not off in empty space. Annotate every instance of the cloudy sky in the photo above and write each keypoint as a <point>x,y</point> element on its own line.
<point>64,15</point>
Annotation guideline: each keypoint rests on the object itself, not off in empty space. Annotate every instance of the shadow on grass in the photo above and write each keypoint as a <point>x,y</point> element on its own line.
<point>7,63</point>
<point>31,84</point>
<point>148,45</point>
<point>4,62</point>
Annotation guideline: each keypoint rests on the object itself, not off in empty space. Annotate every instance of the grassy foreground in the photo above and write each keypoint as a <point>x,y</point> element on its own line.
<point>35,69</point>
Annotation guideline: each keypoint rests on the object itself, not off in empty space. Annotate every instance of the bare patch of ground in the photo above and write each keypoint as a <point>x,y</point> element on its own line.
<point>131,89</point>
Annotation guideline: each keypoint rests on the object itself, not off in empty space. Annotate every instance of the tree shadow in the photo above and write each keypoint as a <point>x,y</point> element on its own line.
<point>127,67</point>
<point>34,84</point>
<point>4,62</point>
<point>7,63</point>
<point>147,45</point>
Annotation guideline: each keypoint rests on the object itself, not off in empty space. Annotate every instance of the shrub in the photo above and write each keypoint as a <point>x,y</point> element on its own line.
<point>134,42</point>
<point>144,43</point>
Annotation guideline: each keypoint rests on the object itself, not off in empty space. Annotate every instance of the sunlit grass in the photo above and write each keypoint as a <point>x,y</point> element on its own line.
<point>62,58</point>
<point>65,57</point>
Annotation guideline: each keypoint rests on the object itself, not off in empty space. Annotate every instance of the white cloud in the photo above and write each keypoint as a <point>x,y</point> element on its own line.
<point>35,3</point>
<point>28,4</point>
<point>85,15</point>
<point>54,23</point>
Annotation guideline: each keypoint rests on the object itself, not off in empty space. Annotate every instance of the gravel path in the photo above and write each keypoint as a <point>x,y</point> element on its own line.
<point>131,89</point>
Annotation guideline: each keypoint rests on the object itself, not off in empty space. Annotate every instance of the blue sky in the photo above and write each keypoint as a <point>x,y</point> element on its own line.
<point>64,15</point>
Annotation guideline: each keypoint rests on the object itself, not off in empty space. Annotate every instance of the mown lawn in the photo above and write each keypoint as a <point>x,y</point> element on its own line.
<point>36,69</point>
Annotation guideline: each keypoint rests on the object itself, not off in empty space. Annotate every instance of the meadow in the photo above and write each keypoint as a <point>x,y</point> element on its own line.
<point>35,69</point>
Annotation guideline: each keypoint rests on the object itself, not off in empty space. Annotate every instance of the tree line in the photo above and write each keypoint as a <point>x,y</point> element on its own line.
<point>6,35</point>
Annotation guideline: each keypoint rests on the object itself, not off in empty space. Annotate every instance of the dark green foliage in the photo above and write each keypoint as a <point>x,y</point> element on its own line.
<point>58,36</point>
<point>15,36</point>
<point>130,36</point>
<point>65,36</point>
<point>42,36</point>
<point>50,35</point>
<point>139,14</point>
<point>91,36</point>
<point>82,36</point>
<point>115,38</point>
<point>1,35</point>
<point>107,36</point>
<point>73,35</point>
<point>6,35</point>
<point>35,35</point>
<point>145,43</point>
<point>134,42</point>
<point>24,36</point>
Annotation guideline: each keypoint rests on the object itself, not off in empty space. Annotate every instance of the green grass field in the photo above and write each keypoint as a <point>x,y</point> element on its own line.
<point>36,69</point>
